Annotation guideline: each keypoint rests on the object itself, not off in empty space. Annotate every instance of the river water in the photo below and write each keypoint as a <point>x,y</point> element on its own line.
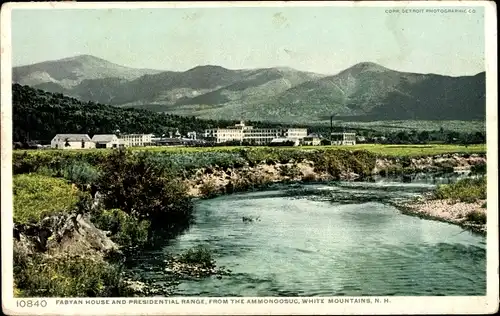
<point>341,238</point>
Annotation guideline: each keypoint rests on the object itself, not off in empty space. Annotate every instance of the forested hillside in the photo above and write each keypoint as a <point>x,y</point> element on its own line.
<point>40,115</point>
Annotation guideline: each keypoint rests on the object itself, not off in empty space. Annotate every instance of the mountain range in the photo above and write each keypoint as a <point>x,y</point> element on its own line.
<point>363,92</point>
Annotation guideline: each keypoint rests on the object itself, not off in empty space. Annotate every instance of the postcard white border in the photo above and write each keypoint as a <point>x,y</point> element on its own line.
<point>397,305</point>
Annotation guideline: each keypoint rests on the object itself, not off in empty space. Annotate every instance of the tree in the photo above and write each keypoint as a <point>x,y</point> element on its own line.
<point>423,137</point>
<point>144,190</point>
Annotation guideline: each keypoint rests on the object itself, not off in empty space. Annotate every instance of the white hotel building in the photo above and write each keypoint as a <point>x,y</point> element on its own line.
<point>257,136</point>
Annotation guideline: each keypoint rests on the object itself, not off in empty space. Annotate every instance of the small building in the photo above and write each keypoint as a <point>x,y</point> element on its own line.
<point>311,140</point>
<point>360,139</point>
<point>72,141</point>
<point>191,135</point>
<point>343,138</point>
<point>106,141</point>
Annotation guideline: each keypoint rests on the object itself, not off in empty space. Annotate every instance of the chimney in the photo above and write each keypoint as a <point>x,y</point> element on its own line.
<point>331,126</point>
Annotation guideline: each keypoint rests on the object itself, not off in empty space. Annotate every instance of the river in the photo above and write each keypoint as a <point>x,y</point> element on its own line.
<point>333,239</point>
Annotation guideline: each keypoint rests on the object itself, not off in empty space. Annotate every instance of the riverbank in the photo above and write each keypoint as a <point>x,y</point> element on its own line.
<point>212,181</point>
<point>462,203</point>
<point>450,211</point>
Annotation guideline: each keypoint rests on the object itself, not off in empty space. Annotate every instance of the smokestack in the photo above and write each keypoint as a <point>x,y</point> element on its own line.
<point>331,126</point>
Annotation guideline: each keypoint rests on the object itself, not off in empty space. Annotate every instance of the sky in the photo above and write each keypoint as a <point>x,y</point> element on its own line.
<point>319,39</point>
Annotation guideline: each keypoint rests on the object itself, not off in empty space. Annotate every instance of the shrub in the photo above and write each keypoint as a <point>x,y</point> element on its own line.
<point>46,171</point>
<point>208,189</point>
<point>198,255</point>
<point>289,171</point>
<point>478,168</point>
<point>81,173</point>
<point>446,166</point>
<point>65,276</point>
<point>190,161</point>
<point>37,196</point>
<point>476,217</point>
<point>465,190</point>
<point>143,191</point>
<point>310,177</point>
<point>125,230</point>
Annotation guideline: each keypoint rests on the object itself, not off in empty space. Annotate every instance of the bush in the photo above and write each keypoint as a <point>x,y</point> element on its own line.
<point>81,173</point>
<point>190,161</point>
<point>198,255</point>
<point>208,189</point>
<point>65,276</point>
<point>143,191</point>
<point>465,190</point>
<point>478,169</point>
<point>125,230</point>
<point>37,196</point>
<point>310,177</point>
<point>47,171</point>
<point>289,171</point>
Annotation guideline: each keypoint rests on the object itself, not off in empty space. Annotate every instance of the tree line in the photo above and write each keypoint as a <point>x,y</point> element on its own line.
<point>40,115</point>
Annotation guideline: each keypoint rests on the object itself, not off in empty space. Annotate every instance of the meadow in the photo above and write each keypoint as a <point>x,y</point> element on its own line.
<point>378,149</point>
<point>417,125</point>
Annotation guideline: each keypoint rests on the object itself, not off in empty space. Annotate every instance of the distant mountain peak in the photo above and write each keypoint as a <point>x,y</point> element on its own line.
<point>362,67</point>
<point>368,65</point>
<point>207,67</point>
<point>84,58</point>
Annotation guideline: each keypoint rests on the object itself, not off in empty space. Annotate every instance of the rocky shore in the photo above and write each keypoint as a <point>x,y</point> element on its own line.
<point>227,180</point>
<point>447,210</point>
<point>218,180</point>
<point>447,162</point>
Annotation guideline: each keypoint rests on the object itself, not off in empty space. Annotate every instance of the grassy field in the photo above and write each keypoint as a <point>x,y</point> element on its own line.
<point>409,125</point>
<point>378,149</point>
<point>384,150</point>
<point>37,196</point>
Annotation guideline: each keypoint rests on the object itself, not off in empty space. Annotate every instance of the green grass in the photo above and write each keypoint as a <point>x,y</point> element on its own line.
<point>465,190</point>
<point>419,150</point>
<point>384,150</point>
<point>37,196</point>
<point>199,255</point>
<point>418,125</point>
<point>67,275</point>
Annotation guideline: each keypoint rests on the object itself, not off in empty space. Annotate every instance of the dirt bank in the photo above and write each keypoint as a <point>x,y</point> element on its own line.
<point>219,180</point>
<point>448,162</point>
